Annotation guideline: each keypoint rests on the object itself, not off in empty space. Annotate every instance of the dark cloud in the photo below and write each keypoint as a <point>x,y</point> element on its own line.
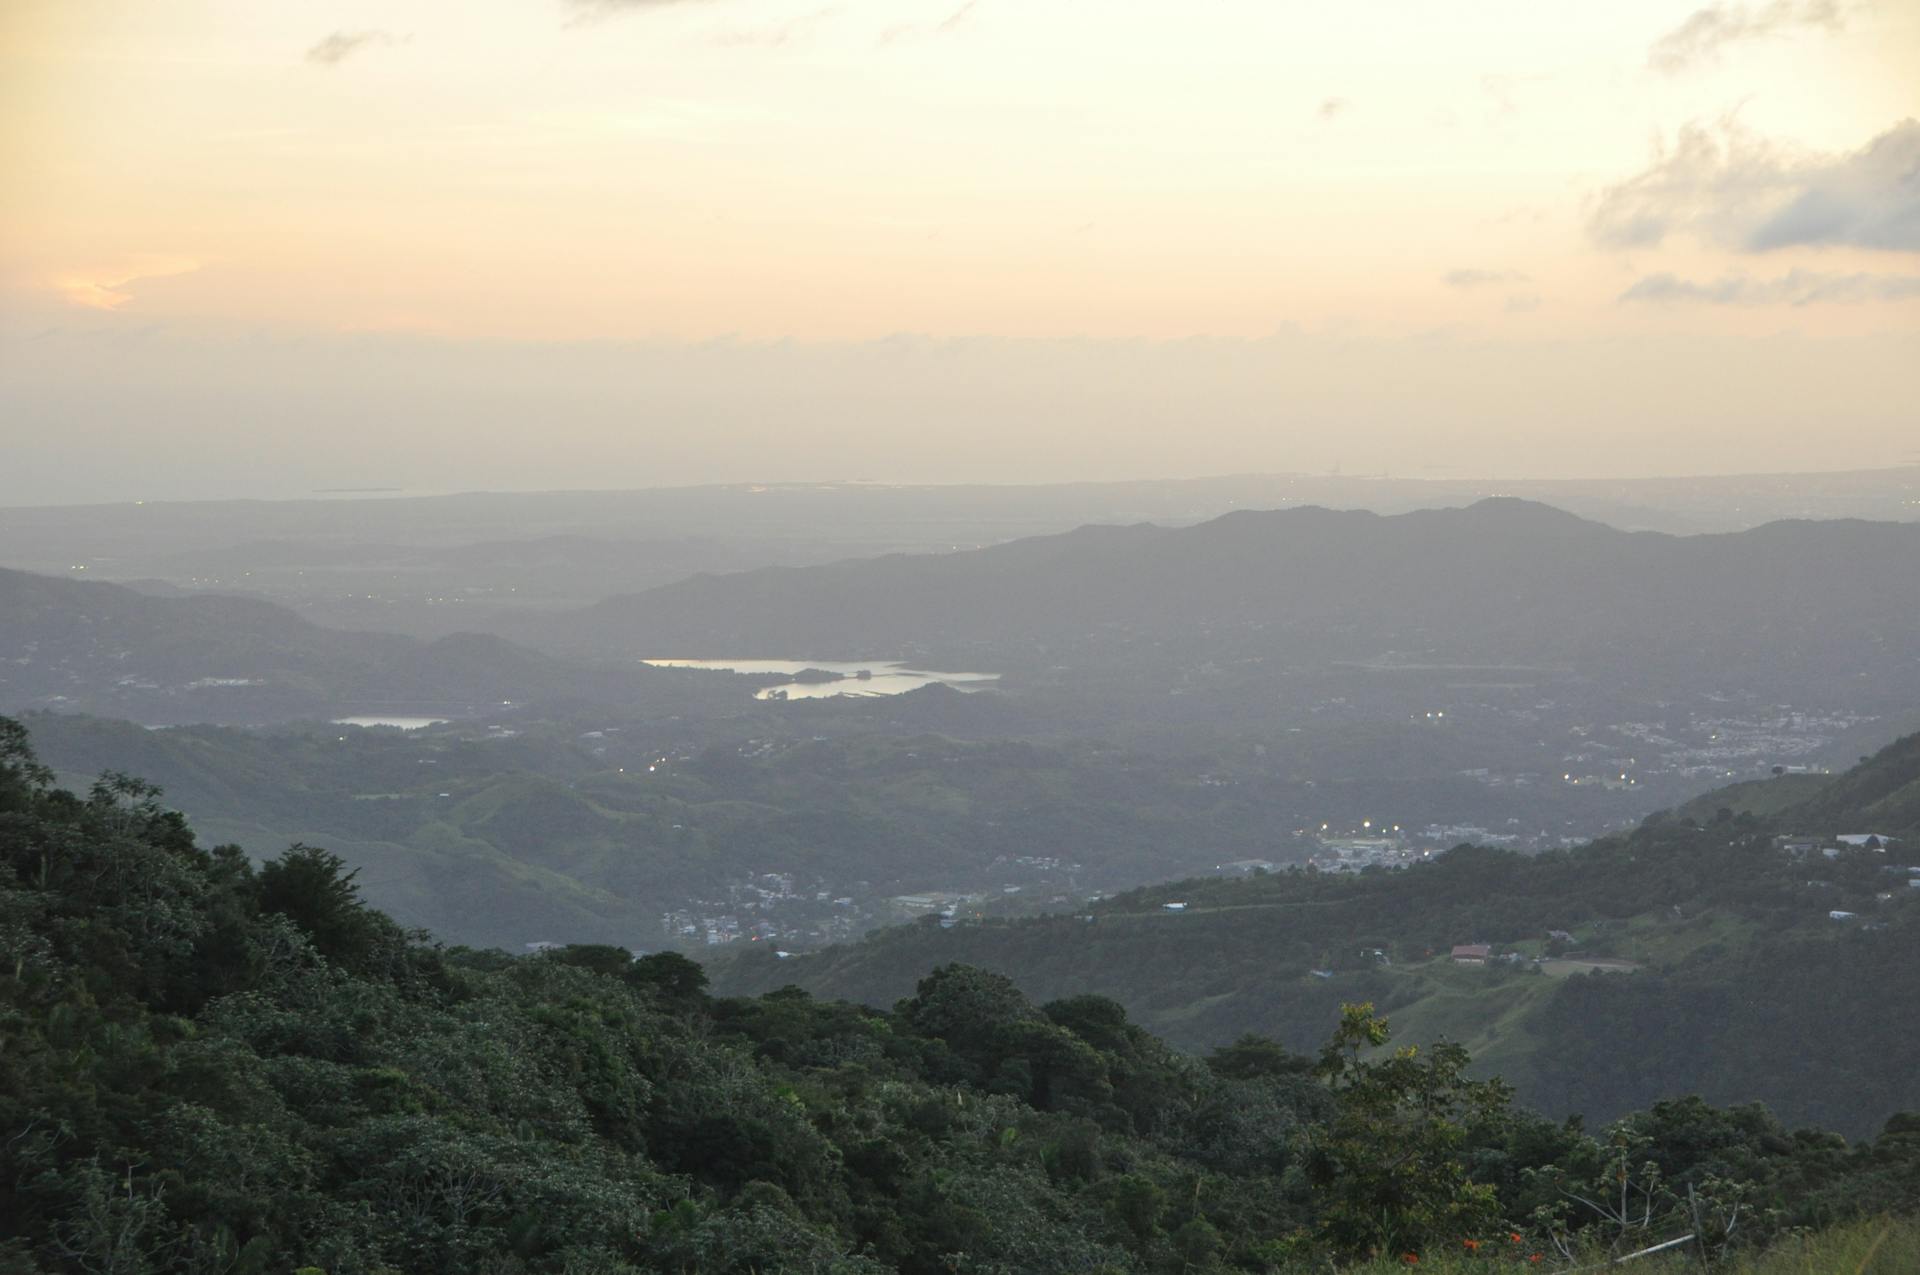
<point>1707,31</point>
<point>341,45</point>
<point>1796,287</point>
<point>1870,199</point>
<point>1481,278</point>
<point>1723,184</point>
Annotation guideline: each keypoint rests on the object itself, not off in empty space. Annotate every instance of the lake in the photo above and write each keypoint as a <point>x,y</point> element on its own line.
<point>883,677</point>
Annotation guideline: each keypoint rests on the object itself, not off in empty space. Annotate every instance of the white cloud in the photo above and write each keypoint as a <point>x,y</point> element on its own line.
<point>100,289</point>
<point>1796,287</point>
<point>341,45</point>
<point>1707,31</point>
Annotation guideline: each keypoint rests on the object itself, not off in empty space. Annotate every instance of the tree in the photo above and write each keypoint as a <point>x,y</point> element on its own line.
<point>313,888</point>
<point>601,958</point>
<point>676,982</point>
<point>1253,1057</point>
<point>1387,1169</point>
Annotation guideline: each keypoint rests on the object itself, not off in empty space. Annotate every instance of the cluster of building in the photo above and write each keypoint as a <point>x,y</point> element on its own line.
<point>1838,846</point>
<point>766,907</point>
<point>1354,854</point>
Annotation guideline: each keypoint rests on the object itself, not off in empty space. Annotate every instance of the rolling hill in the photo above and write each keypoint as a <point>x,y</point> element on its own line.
<point>82,646</point>
<point>1703,958</point>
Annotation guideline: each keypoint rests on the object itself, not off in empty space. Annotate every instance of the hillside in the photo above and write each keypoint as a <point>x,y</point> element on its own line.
<point>83,646</point>
<point>1881,794</point>
<point>590,826</point>
<point>1502,581</point>
<point>218,1067</point>
<point>1743,987</point>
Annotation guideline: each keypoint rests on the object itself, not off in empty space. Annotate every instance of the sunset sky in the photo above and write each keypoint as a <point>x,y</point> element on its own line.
<point>258,249</point>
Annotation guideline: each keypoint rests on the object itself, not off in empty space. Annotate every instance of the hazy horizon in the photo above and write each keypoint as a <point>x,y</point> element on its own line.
<point>626,243</point>
<point>1447,486</point>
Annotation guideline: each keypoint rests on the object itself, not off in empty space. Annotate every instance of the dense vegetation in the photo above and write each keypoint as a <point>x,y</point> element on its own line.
<point>565,829</point>
<point>214,1066</point>
<point>1748,988</point>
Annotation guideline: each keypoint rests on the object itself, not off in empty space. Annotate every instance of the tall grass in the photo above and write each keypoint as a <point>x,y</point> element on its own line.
<point>1871,1246</point>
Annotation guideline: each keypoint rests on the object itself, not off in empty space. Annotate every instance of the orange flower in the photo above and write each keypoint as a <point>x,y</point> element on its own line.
<point>1534,1258</point>
<point>1473,1246</point>
<point>1514,1237</point>
<point>1411,1259</point>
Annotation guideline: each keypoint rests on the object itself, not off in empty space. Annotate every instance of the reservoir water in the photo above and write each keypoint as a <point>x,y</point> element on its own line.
<point>853,677</point>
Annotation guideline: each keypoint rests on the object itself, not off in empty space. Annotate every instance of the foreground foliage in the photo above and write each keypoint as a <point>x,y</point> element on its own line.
<point>217,1067</point>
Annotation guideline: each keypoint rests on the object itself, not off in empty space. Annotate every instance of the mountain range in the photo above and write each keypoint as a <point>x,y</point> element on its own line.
<point>1803,608</point>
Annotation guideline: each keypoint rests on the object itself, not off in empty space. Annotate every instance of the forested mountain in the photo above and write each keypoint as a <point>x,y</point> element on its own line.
<point>87,646</point>
<point>213,1067</point>
<point>1801,608</point>
<point>1762,971</point>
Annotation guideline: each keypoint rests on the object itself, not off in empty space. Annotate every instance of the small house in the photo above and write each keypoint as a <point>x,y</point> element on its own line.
<point>1471,953</point>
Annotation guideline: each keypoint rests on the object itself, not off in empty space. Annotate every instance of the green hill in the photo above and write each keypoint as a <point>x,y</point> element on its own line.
<point>217,1067</point>
<point>1701,956</point>
<point>1765,798</point>
<point>1880,795</point>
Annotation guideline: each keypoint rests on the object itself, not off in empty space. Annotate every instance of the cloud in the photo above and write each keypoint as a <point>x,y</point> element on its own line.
<point>1481,278</point>
<point>1331,107</point>
<point>341,45</point>
<point>946,26</point>
<point>1796,287</point>
<point>1504,90</point>
<point>100,289</point>
<point>588,10</point>
<point>1728,186</point>
<point>1869,199</point>
<point>795,30</point>
<point>1700,38</point>
<point>954,19</point>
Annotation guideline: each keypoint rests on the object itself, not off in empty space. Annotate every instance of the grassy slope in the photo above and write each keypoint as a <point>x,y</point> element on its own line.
<point>1229,962</point>
<point>1762,798</point>
<point>1874,1246</point>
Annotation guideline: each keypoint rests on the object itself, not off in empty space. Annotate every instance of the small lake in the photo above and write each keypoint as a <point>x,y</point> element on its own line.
<point>401,723</point>
<point>853,677</point>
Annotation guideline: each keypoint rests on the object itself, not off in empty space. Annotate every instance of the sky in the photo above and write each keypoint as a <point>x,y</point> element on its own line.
<point>262,250</point>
